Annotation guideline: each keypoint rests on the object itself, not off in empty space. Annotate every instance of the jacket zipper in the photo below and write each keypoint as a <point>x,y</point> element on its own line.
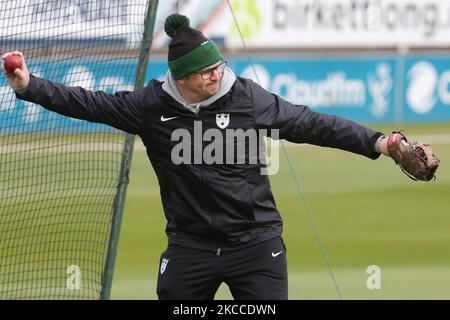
<point>202,173</point>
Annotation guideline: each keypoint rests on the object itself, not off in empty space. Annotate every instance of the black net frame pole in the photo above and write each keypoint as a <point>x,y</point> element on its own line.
<point>119,201</point>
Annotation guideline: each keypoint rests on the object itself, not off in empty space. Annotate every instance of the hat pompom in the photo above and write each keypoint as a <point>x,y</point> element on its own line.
<point>174,23</point>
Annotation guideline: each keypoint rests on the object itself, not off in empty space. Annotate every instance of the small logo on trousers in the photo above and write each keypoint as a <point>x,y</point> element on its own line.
<point>276,254</point>
<point>164,263</point>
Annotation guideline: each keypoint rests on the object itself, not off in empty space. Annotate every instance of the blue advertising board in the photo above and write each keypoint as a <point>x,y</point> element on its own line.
<point>361,89</point>
<point>371,89</point>
<point>426,94</point>
<point>364,89</point>
<point>17,115</point>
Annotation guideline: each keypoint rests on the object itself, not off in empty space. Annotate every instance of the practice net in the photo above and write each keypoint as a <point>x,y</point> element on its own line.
<point>59,176</point>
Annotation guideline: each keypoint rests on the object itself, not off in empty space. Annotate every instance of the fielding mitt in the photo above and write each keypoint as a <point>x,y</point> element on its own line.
<point>416,160</point>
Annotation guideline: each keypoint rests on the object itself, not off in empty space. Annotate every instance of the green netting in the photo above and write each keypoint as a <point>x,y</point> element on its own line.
<point>59,176</point>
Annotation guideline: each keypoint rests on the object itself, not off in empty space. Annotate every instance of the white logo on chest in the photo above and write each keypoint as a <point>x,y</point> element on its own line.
<point>164,119</point>
<point>222,120</point>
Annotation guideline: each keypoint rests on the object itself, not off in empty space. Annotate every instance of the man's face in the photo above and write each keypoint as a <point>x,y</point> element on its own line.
<point>205,82</point>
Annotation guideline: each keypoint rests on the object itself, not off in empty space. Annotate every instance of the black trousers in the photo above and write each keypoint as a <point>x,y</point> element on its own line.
<point>254,273</point>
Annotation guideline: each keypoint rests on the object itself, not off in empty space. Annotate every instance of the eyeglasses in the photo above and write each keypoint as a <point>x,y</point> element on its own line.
<point>208,73</point>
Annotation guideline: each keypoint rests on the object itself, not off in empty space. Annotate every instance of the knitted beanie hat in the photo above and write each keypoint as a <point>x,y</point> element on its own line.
<point>189,49</point>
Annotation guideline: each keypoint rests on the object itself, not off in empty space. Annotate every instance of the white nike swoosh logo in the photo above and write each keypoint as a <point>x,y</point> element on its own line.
<point>167,119</point>
<point>276,254</point>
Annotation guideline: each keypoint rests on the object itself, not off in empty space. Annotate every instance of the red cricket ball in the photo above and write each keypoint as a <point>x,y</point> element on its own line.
<point>12,62</point>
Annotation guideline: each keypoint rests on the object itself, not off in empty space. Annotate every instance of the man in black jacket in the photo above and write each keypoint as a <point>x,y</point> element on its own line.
<point>222,221</point>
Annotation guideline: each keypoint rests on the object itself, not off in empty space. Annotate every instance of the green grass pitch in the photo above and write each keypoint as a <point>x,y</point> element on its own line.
<point>367,213</point>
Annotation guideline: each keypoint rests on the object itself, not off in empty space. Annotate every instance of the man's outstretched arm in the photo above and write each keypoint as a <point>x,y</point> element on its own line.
<point>299,124</point>
<point>121,110</point>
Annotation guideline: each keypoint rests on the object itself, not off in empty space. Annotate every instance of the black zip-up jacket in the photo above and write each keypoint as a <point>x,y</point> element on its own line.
<point>208,206</point>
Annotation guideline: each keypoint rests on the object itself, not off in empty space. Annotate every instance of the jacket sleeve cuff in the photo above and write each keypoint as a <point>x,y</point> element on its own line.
<point>376,146</point>
<point>24,93</point>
